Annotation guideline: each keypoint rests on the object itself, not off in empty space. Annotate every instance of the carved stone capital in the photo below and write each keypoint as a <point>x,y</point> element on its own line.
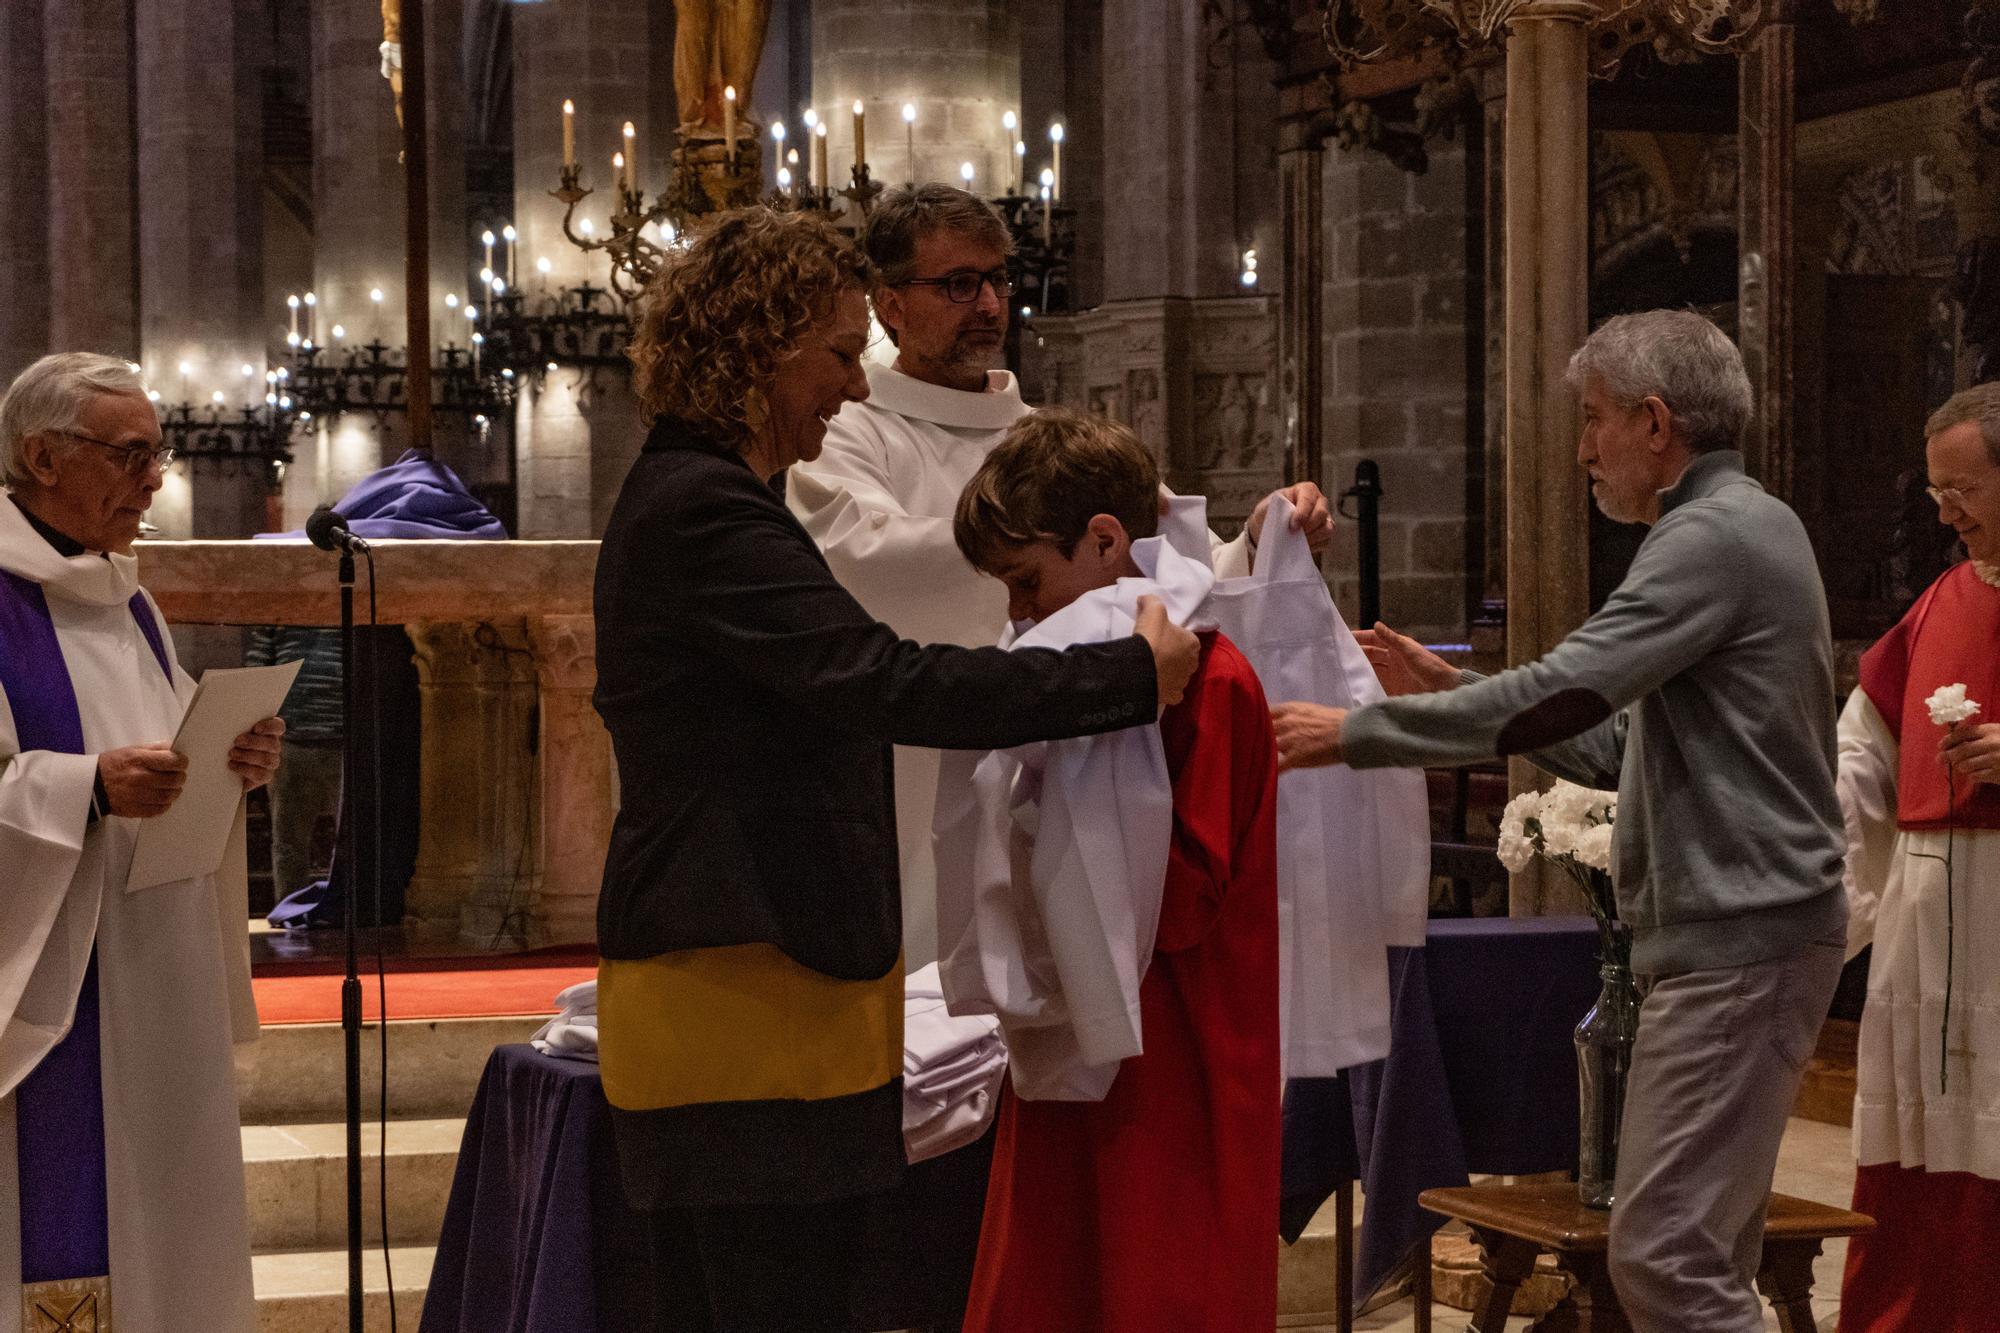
<point>565,651</point>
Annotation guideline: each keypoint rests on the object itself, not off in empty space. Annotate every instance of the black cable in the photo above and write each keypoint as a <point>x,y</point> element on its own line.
<point>381,967</point>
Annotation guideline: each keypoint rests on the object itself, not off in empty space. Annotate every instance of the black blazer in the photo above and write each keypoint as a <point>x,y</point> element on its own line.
<point>752,703</point>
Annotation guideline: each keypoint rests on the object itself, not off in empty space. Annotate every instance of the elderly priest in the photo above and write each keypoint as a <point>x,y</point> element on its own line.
<point>125,1186</point>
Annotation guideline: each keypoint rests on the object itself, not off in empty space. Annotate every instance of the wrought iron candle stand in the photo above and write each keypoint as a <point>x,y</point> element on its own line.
<point>581,326</point>
<point>1044,241</point>
<point>372,379</point>
<point>255,439</point>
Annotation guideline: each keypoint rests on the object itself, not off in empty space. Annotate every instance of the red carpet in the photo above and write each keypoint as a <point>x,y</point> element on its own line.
<point>478,993</point>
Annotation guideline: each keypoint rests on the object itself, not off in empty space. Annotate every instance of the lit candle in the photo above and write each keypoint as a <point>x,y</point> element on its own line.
<point>542,268</point>
<point>292,301</point>
<point>1020,166</point>
<point>486,239</point>
<point>910,136</point>
<point>631,159</point>
<point>860,135</point>
<point>1008,122</point>
<point>512,237</point>
<point>312,316</point>
<point>965,173</point>
<point>569,135</point>
<point>819,157</point>
<point>784,181</point>
<point>375,298</point>
<point>187,369</point>
<point>729,123</point>
<point>617,174</point>
<point>1045,209</point>
<point>1055,143</point>
<point>478,341</point>
<point>778,145</point>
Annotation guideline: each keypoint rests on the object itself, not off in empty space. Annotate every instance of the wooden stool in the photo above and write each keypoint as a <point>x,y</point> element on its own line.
<point>1514,1223</point>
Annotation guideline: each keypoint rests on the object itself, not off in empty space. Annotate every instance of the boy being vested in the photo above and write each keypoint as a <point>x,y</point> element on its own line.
<point>1154,1209</point>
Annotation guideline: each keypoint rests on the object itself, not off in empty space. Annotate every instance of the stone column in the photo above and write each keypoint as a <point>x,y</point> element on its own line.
<point>1766,120</point>
<point>24,191</point>
<point>1547,220</point>
<point>200,163</point>
<point>358,199</point>
<point>960,64</point>
<point>1301,331</point>
<point>92,214</point>
<point>477,855</point>
<point>577,788</point>
<point>576,431</point>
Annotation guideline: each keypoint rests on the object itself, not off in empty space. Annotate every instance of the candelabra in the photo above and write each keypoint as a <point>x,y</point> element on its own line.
<point>1044,235</point>
<point>1361,32</point>
<point>581,326</point>
<point>254,438</point>
<point>372,378</point>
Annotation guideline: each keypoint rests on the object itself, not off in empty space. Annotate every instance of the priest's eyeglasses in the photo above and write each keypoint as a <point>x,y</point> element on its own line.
<point>138,457</point>
<point>1952,495</point>
<point>962,287</point>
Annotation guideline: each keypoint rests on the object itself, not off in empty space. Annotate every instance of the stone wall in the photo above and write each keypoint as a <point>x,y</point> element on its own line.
<point>1398,381</point>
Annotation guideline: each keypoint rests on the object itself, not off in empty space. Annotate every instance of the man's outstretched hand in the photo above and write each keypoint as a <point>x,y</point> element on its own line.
<point>1403,665</point>
<point>1308,735</point>
<point>1310,515</point>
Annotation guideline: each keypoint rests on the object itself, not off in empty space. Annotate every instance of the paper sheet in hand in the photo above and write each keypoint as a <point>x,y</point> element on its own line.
<point>188,839</point>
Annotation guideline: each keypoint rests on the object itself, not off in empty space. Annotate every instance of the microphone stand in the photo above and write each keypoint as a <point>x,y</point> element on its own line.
<point>350,986</point>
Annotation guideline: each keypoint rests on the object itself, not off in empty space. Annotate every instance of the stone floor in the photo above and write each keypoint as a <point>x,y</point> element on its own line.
<point>1814,1163</point>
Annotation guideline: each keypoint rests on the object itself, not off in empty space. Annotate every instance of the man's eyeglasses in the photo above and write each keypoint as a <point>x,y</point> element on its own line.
<point>962,287</point>
<point>1954,495</point>
<point>137,456</point>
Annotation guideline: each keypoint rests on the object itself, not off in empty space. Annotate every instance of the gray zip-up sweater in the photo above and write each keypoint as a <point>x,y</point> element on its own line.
<point>1703,691</point>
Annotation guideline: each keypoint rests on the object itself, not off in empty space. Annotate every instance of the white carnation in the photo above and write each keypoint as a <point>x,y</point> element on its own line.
<point>1593,847</point>
<point>1514,819</point>
<point>1515,851</point>
<point>1949,705</point>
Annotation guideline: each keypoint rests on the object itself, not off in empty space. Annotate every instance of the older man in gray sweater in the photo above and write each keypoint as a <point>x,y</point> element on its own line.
<point>1703,690</point>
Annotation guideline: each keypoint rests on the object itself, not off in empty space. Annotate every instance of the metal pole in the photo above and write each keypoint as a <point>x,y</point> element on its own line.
<point>417,228</point>
<point>1366,492</point>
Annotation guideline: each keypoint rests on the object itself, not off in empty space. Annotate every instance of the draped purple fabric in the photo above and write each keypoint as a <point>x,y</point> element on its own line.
<point>59,1106</point>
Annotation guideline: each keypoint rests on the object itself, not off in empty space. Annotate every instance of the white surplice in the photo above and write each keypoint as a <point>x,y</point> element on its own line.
<point>1896,900</point>
<point>879,501</point>
<point>173,970</point>
<point>1052,862</point>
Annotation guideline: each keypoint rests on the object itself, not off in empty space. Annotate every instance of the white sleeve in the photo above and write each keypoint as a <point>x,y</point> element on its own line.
<point>904,568</point>
<point>44,818</point>
<point>1866,782</point>
<point>1230,559</point>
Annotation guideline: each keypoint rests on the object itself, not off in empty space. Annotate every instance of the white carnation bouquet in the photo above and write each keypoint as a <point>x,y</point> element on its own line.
<point>1570,826</point>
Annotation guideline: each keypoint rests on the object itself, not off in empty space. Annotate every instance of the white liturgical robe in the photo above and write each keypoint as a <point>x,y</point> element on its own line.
<point>172,968</point>
<point>879,501</point>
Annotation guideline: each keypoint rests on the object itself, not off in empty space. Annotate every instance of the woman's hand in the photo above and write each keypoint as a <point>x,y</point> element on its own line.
<point>1974,751</point>
<point>1403,665</point>
<point>1176,652</point>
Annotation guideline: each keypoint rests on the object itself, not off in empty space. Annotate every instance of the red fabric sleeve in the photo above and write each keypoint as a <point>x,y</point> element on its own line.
<point>1223,759</point>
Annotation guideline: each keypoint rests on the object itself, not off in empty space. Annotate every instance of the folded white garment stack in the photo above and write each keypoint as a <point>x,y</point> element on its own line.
<point>572,1033</point>
<point>952,1067</point>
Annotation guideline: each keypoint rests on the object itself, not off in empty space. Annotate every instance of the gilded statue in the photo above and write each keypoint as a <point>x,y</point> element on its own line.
<point>716,45</point>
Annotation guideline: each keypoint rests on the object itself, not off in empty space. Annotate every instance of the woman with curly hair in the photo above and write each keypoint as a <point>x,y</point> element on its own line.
<point>750,997</point>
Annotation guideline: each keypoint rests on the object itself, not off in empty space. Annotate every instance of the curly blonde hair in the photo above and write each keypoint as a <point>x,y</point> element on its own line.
<point>723,314</point>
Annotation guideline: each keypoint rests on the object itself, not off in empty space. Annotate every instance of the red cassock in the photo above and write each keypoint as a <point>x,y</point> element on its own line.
<point>1156,1209</point>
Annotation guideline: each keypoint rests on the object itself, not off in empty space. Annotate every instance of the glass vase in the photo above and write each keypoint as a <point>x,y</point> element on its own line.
<point>1603,1059</point>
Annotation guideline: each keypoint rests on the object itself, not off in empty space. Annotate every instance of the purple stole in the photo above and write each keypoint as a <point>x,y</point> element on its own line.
<point>59,1106</point>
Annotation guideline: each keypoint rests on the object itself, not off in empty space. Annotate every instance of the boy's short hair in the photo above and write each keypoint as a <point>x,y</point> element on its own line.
<point>1054,471</point>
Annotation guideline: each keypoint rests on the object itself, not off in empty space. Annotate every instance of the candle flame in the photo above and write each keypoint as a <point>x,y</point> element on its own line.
<point>778,130</point>
<point>910,113</point>
<point>618,161</point>
<point>1048,176</point>
<point>820,129</point>
<point>729,93</point>
<point>629,131</point>
<point>857,106</point>
<point>811,118</point>
<point>965,172</point>
<point>1008,120</point>
<point>1056,132</point>
<point>375,295</point>
<point>569,107</point>
<point>508,233</point>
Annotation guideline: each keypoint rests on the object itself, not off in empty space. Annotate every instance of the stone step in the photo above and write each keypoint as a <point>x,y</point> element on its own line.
<point>1306,1272</point>
<point>293,1073</point>
<point>296,1181</point>
<point>305,1290</point>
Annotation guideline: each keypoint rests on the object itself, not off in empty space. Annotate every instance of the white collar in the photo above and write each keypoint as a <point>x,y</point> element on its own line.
<point>997,408</point>
<point>90,578</point>
<point>1987,574</point>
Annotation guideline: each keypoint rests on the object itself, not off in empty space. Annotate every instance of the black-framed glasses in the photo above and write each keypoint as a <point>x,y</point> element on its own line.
<point>962,287</point>
<point>137,456</point>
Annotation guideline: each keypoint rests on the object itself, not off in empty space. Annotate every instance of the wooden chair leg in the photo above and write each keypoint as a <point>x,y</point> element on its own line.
<point>1420,1288</point>
<point>1786,1279</point>
<point>1343,1256</point>
<point>1504,1262</point>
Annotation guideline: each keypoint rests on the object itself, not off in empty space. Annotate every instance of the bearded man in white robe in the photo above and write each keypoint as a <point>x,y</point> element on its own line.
<point>121,1170</point>
<point>880,497</point>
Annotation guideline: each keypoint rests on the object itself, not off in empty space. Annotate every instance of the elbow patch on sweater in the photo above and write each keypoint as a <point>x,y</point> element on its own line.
<point>1562,715</point>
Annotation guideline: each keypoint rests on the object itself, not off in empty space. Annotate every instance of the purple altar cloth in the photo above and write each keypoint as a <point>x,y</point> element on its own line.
<point>1480,1077</point>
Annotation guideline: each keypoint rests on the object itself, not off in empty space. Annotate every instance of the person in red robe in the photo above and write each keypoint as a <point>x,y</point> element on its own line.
<point>1156,1208</point>
<point>1915,790</point>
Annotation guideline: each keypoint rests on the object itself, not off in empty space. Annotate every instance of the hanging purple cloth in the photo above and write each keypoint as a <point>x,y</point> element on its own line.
<point>59,1106</point>
<point>415,497</point>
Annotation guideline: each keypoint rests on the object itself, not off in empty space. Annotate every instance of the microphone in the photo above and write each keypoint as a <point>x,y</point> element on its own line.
<point>328,531</point>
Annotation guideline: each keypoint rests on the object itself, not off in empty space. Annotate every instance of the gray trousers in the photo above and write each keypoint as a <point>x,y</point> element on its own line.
<point>1715,1071</point>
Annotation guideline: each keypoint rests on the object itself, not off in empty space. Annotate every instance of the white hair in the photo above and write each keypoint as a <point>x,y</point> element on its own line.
<point>1681,359</point>
<point>51,396</point>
